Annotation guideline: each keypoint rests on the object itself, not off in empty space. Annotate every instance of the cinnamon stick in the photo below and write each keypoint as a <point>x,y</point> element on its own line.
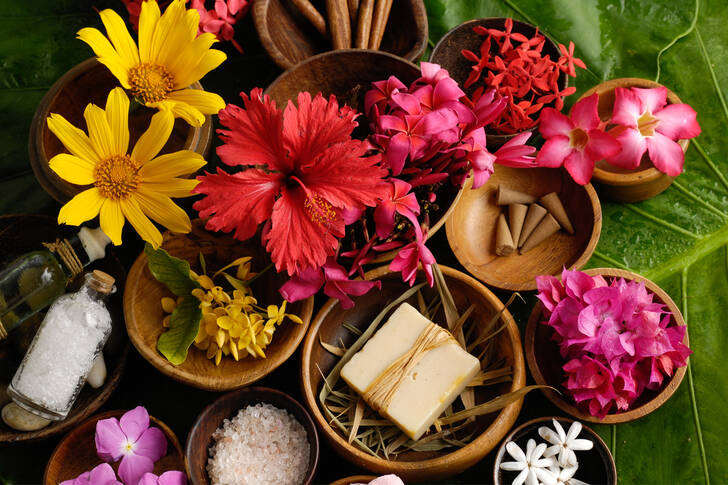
<point>353,12</point>
<point>364,26</point>
<point>339,23</point>
<point>312,15</point>
<point>379,24</point>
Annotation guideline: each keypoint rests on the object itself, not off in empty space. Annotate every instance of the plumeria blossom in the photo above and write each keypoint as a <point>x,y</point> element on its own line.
<point>645,122</point>
<point>102,474</point>
<point>131,440</point>
<point>577,142</point>
<point>172,477</point>
<point>533,467</point>
<point>564,444</point>
<point>222,18</point>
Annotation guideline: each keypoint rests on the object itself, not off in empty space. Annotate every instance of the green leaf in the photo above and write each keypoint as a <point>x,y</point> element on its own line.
<point>173,272</point>
<point>183,328</point>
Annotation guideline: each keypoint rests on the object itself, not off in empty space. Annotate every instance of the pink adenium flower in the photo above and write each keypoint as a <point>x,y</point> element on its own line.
<point>645,122</point>
<point>220,20</point>
<point>102,474</point>
<point>576,142</point>
<point>131,440</point>
<point>166,478</point>
<point>401,201</point>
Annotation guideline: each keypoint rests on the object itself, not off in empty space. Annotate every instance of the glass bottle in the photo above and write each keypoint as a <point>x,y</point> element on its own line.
<point>72,335</point>
<point>34,280</point>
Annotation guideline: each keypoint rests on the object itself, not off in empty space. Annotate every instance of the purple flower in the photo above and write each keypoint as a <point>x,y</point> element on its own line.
<point>132,441</point>
<point>103,474</point>
<point>166,478</point>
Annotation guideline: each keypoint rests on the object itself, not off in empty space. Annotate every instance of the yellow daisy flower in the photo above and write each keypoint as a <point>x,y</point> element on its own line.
<point>170,57</point>
<point>132,186</point>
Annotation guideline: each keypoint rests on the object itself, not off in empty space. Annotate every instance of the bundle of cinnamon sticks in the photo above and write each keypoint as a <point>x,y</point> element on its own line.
<point>351,23</point>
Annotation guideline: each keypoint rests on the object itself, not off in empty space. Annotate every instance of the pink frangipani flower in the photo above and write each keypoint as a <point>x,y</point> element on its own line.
<point>102,474</point>
<point>131,440</point>
<point>411,255</point>
<point>166,478</point>
<point>576,142</point>
<point>647,123</point>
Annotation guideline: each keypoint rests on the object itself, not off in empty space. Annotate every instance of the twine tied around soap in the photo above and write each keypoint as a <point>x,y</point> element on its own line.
<point>65,251</point>
<point>380,392</point>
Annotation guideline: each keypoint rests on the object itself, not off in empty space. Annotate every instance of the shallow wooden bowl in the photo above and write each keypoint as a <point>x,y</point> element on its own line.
<point>91,82</point>
<point>23,233</point>
<point>447,53</point>
<point>413,466</point>
<point>144,314</point>
<point>354,479</point>
<point>227,406</point>
<point>544,360</point>
<point>644,182</point>
<point>289,38</point>
<point>595,465</point>
<point>471,228</point>
<point>76,453</point>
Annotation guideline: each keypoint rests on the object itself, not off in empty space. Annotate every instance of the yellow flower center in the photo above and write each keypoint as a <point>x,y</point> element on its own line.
<point>319,210</point>
<point>647,124</point>
<point>578,138</point>
<point>150,83</point>
<point>116,176</point>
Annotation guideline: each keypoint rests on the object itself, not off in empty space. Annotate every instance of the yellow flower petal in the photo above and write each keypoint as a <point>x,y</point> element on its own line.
<point>171,165</point>
<point>99,131</point>
<point>171,20</point>
<point>209,61</point>
<point>106,54</point>
<point>212,350</point>
<point>81,208</point>
<point>73,139</point>
<point>190,114</point>
<point>196,49</point>
<point>119,36</point>
<point>234,351</point>
<point>218,357</point>
<point>141,223</point>
<point>168,304</point>
<point>148,18</point>
<point>294,318</point>
<point>117,115</point>
<point>166,320</point>
<point>205,281</point>
<point>220,337</point>
<point>179,33</point>
<point>207,103</point>
<point>73,169</point>
<point>175,187</point>
<point>152,141</point>
<point>163,210</point>
<point>225,322</point>
<point>111,220</point>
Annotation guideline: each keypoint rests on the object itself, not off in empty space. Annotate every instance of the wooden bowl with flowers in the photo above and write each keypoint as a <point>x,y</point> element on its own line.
<point>643,180</point>
<point>336,329</point>
<point>649,354</point>
<point>355,479</point>
<point>264,331</point>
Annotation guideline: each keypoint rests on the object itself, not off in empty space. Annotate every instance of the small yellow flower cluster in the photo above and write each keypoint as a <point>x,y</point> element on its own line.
<point>232,324</point>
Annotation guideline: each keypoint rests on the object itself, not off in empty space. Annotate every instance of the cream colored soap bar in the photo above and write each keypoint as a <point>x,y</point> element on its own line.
<point>432,384</point>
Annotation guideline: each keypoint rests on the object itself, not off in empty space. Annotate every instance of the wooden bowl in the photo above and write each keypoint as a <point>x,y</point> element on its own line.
<point>595,465</point>
<point>289,38</point>
<point>413,466</point>
<point>447,53</point>
<point>354,479</point>
<point>91,82</point>
<point>144,313</point>
<point>544,360</point>
<point>644,182</point>
<point>471,228</point>
<point>76,453</point>
<point>23,233</point>
<point>227,406</point>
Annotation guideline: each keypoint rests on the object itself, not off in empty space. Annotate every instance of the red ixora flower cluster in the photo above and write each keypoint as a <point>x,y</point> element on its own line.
<point>616,340</point>
<point>218,20</point>
<point>519,71</point>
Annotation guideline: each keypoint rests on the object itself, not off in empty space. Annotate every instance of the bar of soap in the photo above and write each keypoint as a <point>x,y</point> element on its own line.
<point>430,386</point>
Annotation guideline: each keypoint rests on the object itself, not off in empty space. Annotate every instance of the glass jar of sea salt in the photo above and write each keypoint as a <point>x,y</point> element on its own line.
<point>60,357</point>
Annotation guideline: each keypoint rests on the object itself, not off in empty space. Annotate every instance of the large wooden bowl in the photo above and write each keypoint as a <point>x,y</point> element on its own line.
<point>76,453</point>
<point>413,466</point>
<point>23,233</point>
<point>289,38</point>
<point>644,182</point>
<point>471,228</point>
<point>227,406</point>
<point>144,313</point>
<point>91,82</point>
<point>544,360</point>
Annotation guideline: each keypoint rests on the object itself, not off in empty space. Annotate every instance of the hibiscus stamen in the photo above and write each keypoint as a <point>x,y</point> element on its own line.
<point>116,177</point>
<point>319,210</point>
<point>647,124</point>
<point>150,83</point>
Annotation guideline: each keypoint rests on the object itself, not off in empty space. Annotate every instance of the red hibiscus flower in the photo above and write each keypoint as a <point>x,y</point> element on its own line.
<point>302,169</point>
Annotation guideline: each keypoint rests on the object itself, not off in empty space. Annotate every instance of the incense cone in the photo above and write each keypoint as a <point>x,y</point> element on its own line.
<point>379,24</point>
<point>545,228</point>
<point>533,217</point>
<point>508,196</point>
<point>503,240</point>
<point>364,27</point>
<point>339,23</point>
<point>516,216</point>
<point>553,204</point>
<point>312,15</point>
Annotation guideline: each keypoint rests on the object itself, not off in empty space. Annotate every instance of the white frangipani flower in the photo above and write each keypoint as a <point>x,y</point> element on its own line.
<point>531,464</point>
<point>564,444</point>
<point>565,476</point>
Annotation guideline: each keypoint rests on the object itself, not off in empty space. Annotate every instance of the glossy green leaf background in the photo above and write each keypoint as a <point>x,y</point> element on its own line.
<point>678,239</point>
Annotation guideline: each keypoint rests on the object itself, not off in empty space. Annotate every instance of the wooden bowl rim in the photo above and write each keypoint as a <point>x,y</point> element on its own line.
<point>260,14</point>
<point>598,441</point>
<point>354,479</point>
<point>235,381</point>
<point>261,391</point>
<point>504,285</point>
<point>198,139</point>
<point>117,413</point>
<point>663,395</point>
<point>636,177</point>
<point>499,427</point>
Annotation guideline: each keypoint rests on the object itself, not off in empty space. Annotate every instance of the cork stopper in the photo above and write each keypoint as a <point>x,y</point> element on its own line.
<point>101,282</point>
